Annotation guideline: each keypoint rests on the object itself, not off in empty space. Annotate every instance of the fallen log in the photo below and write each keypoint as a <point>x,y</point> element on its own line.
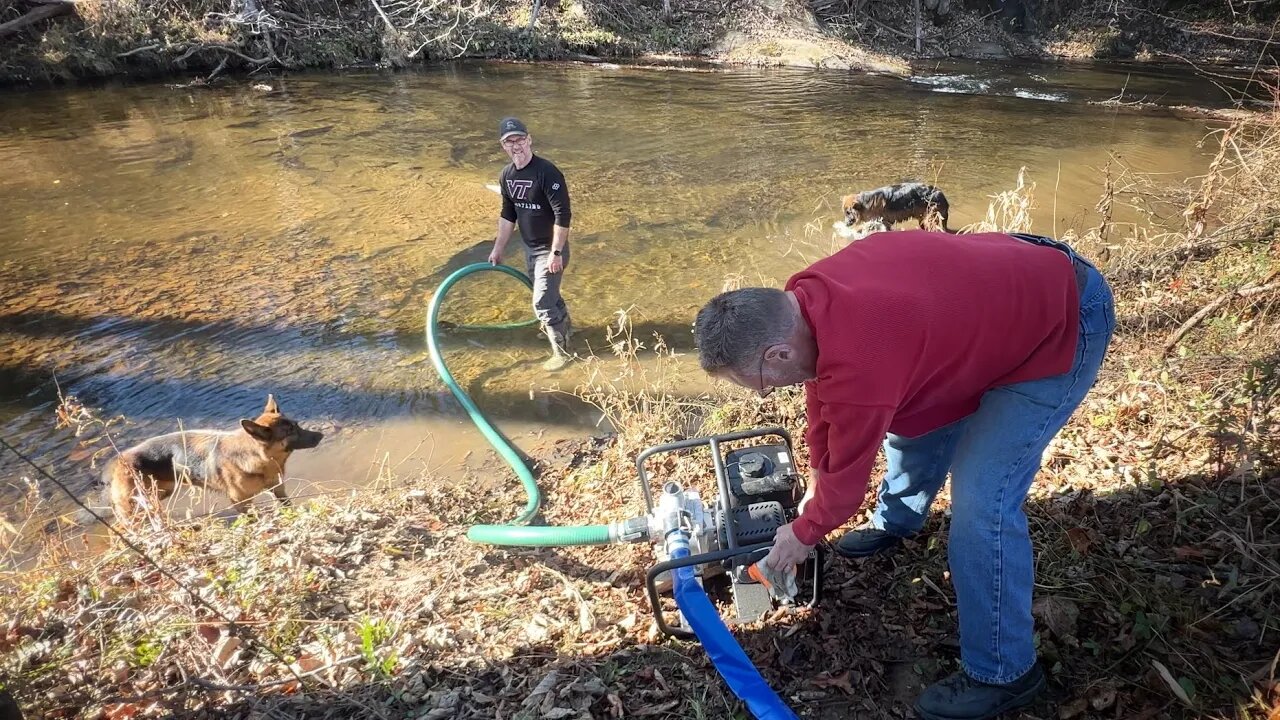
<point>42,11</point>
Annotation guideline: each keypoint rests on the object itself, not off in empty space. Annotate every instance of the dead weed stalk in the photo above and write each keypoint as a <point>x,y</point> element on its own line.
<point>633,389</point>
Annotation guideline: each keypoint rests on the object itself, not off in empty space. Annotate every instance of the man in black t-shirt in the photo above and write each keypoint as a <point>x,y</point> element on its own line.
<point>535,197</point>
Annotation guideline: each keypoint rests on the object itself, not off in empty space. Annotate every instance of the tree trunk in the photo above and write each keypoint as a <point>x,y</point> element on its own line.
<point>533,14</point>
<point>919,36</point>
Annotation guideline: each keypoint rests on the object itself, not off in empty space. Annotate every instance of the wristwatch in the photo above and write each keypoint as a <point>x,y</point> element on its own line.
<point>555,252</point>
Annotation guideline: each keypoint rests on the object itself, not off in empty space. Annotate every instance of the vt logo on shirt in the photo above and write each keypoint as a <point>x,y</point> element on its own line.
<point>519,189</point>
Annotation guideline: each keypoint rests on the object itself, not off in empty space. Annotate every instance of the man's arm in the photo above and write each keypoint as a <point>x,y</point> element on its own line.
<point>844,469</point>
<point>505,229</point>
<point>811,489</point>
<point>557,192</point>
<point>815,437</point>
<point>506,223</point>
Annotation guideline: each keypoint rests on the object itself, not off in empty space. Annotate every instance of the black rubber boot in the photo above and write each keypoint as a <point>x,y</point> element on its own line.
<point>960,697</point>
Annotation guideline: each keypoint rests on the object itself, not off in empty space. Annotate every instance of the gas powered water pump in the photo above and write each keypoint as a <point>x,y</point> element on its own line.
<point>759,491</point>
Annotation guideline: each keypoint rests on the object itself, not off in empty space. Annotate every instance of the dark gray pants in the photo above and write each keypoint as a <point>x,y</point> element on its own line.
<point>548,305</point>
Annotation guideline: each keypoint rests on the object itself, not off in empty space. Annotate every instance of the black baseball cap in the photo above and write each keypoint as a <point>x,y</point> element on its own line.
<point>511,126</point>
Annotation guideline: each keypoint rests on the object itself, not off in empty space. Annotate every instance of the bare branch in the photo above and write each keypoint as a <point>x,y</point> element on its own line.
<point>1214,305</point>
<point>33,16</point>
<point>383,15</point>
<point>197,48</point>
<point>135,51</point>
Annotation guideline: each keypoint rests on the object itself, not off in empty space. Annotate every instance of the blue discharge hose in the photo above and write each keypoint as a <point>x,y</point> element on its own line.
<point>726,654</point>
<point>534,536</point>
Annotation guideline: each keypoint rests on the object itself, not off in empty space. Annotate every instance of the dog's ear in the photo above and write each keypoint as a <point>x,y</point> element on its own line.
<point>256,431</point>
<point>271,407</point>
<point>849,201</point>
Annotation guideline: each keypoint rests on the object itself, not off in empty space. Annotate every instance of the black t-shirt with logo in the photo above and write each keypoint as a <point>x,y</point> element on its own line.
<point>536,198</point>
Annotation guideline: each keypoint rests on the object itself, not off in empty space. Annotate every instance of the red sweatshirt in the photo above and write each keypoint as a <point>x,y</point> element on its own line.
<point>912,328</point>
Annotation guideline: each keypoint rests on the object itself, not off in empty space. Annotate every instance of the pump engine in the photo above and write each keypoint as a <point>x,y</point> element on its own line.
<point>758,490</point>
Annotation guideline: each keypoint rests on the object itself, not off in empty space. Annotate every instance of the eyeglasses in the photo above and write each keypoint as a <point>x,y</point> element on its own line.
<point>761,389</point>
<point>514,141</point>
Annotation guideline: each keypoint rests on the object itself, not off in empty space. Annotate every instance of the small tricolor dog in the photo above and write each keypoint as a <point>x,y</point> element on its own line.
<point>239,463</point>
<point>895,203</point>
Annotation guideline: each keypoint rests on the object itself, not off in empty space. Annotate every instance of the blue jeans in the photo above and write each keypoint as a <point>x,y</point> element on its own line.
<point>993,456</point>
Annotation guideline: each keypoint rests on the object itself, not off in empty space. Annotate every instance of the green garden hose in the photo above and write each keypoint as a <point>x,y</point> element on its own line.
<point>539,536</point>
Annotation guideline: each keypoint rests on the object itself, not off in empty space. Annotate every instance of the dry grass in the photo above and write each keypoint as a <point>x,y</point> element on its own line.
<point>1009,211</point>
<point>631,387</point>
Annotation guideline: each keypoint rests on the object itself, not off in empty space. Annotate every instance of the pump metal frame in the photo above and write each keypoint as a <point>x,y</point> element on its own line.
<point>814,562</point>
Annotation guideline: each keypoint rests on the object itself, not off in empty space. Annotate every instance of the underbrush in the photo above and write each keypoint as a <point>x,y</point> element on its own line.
<point>141,38</point>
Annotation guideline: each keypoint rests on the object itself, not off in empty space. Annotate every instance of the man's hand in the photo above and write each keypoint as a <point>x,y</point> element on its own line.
<point>495,256</point>
<point>555,264</point>
<point>787,550</point>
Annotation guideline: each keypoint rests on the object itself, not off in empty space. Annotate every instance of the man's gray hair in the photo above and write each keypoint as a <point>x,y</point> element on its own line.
<point>736,327</point>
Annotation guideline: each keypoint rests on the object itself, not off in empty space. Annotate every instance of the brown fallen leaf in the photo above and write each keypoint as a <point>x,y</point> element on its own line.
<point>842,681</point>
<point>1188,553</point>
<point>657,709</point>
<point>307,663</point>
<point>209,632</point>
<point>1080,540</point>
<point>120,711</point>
<point>1058,614</point>
<point>226,652</point>
<point>1103,697</point>
<point>1076,707</point>
<point>662,682</point>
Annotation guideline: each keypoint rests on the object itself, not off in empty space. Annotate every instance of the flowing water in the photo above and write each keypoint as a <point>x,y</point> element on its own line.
<point>174,254</point>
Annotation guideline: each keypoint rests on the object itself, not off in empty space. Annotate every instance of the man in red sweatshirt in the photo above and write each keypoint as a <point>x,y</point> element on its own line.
<point>958,353</point>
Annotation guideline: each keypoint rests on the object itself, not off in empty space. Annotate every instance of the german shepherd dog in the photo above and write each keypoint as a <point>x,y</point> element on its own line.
<point>239,464</point>
<point>895,203</point>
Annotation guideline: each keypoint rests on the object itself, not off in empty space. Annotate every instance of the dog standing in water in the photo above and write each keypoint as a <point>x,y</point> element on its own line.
<point>239,464</point>
<point>895,203</point>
